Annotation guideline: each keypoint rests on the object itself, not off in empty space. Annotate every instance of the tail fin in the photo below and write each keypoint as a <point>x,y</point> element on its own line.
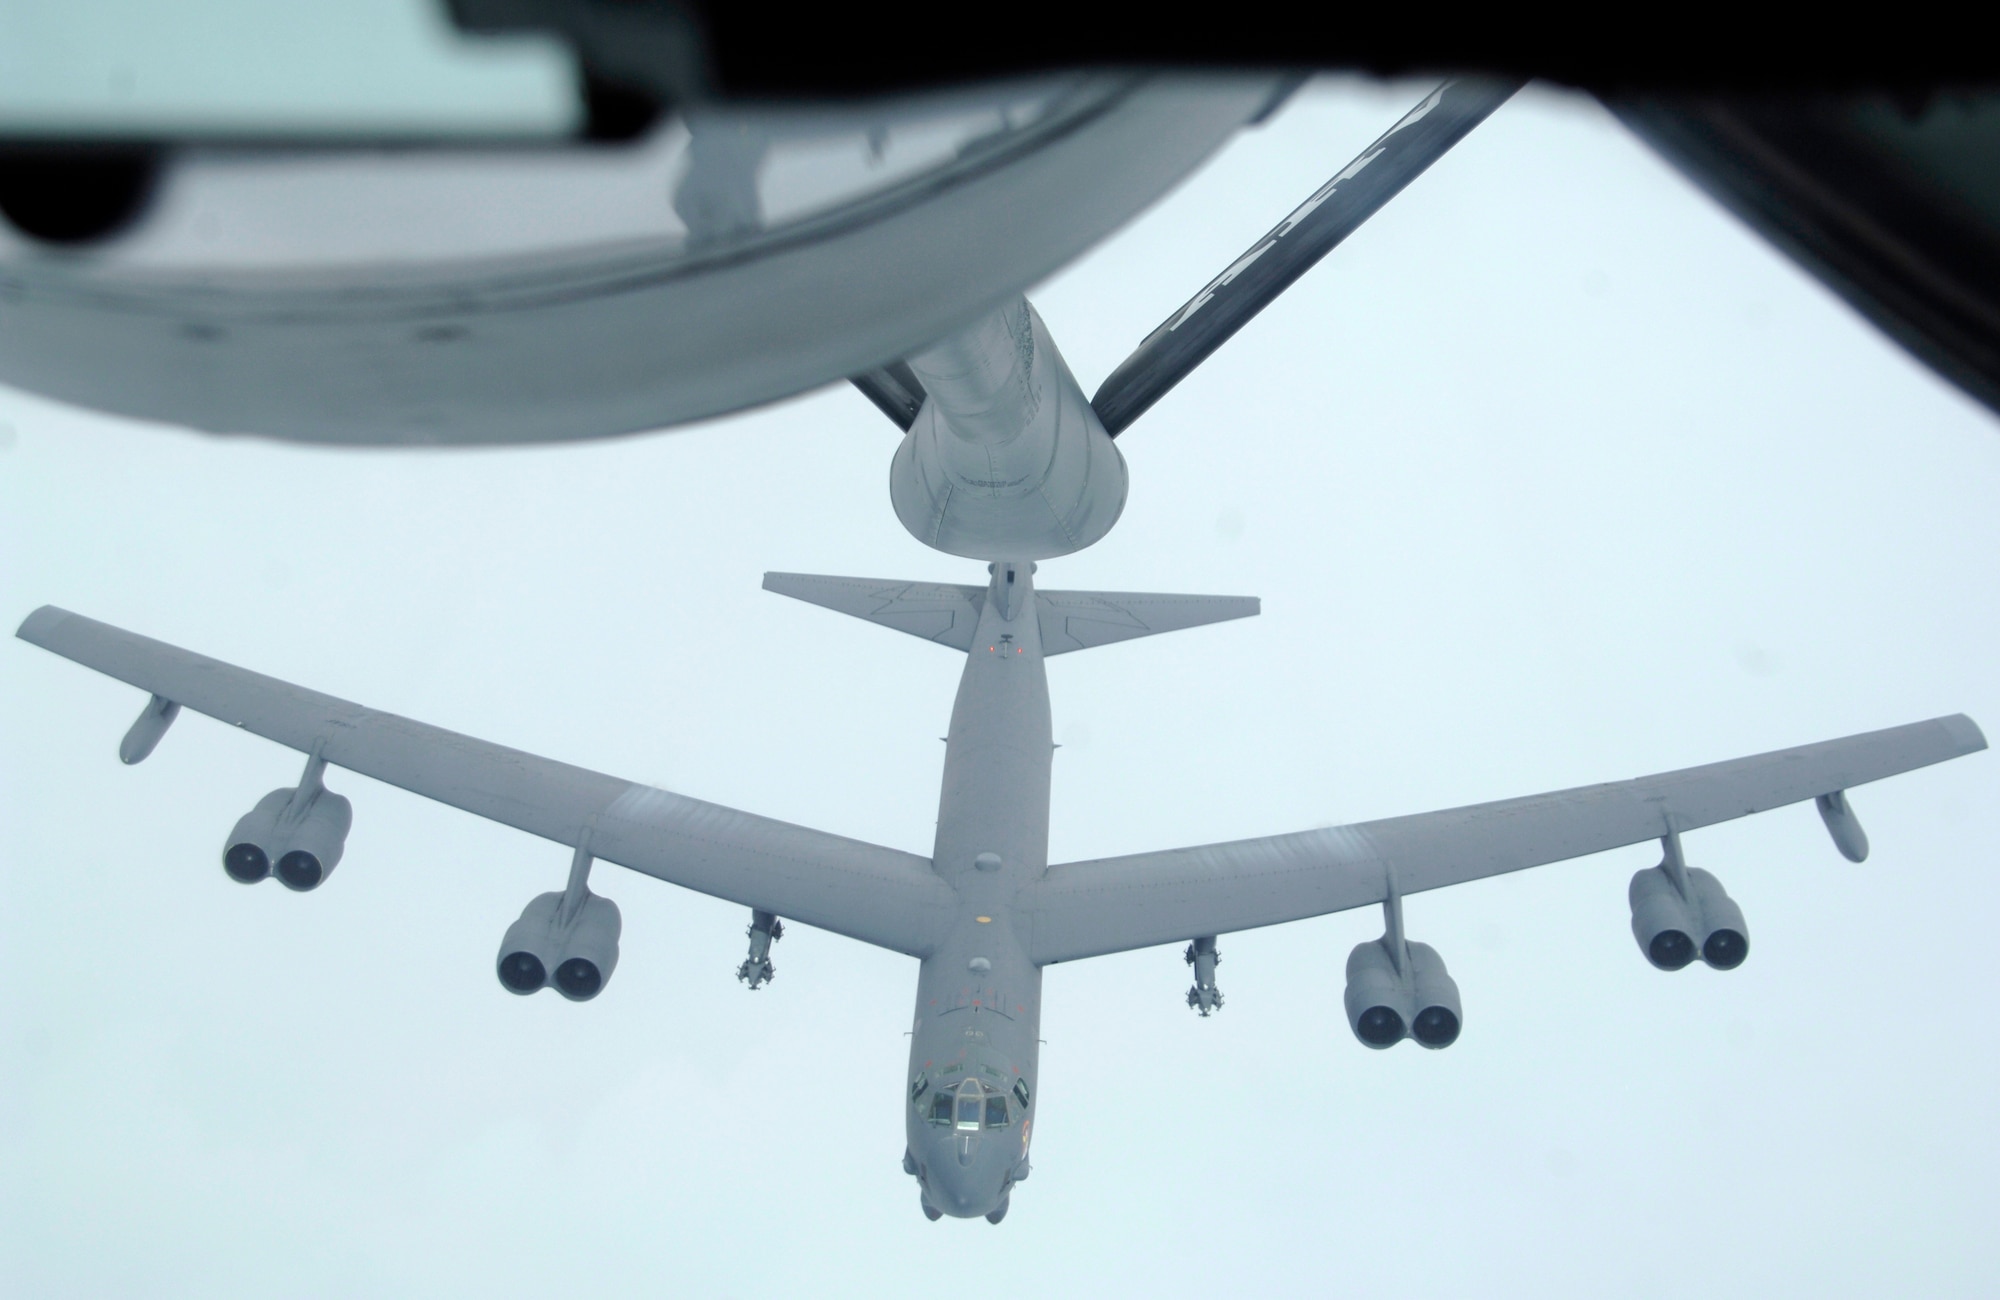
<point>949,614</point>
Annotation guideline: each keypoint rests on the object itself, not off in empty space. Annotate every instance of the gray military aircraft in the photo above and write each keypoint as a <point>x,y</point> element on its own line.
<point>1003,459</point>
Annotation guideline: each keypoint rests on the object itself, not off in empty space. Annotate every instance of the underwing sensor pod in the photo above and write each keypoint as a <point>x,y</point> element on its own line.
<point>1681,912</point>
<point>1397,989</point>
<point>1843,825</point>
<point>567,939</point>
<point>152,723</point>
<point>296,834</point>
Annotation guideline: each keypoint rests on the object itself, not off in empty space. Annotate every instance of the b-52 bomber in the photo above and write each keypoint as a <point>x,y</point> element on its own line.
<point>1004,460</point>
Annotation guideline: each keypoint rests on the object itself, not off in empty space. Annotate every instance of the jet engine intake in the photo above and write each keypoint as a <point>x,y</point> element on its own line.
<point>1379,1006</point>
<point>298,834</point>
<point>245,856</point>
<point>1397,989</point>
<point>1388,1001</point>
<point>1681,912</point>
<point>1663,922</point>
<point>592,952</point>
<point>567,939</point>
<point>1439,1015</point>
<point>1725,940</point>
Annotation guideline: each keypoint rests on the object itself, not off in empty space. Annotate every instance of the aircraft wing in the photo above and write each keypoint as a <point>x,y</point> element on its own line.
<point>1086,909</point>
<point>878,895</point>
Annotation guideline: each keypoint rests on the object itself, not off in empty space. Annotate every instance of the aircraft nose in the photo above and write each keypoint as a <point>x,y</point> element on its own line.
<point>966,1176</point>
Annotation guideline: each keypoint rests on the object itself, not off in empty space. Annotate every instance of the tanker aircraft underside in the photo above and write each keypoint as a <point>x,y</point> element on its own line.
<point>1004,460</point>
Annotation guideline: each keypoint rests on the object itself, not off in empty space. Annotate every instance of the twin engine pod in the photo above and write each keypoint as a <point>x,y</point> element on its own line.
<point>1675,925</point>
<point>296,834</point>
<point>1388,1000</point>
<point>578,942</point>
<point>1681,912</point>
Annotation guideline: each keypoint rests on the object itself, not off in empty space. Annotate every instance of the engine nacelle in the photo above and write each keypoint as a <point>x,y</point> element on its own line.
<point>247,855</point>
<point>575,953</point>
<point>1673,929</point>
<point>1006,458</point>
<point>1725,940</point>
<point>1386,1005</point>
<point>1379,1007</point>
<point>301,832</point>
<point>1662,921</point>
<point>1439,1016</point>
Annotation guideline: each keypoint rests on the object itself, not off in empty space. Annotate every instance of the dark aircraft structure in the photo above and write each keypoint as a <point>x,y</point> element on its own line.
<point>1868,153</point>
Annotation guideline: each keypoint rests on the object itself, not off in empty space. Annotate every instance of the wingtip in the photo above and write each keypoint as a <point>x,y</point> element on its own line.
<point>36,626</point>
<point>1966,732</point>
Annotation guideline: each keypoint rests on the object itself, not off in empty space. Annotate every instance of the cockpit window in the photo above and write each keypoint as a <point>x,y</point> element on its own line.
<point>971,1099</point>
<point>970,1104</point>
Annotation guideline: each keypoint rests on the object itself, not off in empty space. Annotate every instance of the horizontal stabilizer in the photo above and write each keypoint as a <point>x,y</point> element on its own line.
<point>949,614</point>
<point>935,611</point>
<point>1078,620</point>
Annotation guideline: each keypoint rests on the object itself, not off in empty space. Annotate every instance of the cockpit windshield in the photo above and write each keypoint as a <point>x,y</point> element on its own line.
<point>969,1098</point>
<point>970,1106</point>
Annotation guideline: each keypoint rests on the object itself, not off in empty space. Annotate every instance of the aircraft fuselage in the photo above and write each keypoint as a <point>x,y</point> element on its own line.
<point>973,1050</point>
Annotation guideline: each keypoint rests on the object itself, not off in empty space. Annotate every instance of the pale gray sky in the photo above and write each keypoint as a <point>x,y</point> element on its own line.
<point>1551,474</point>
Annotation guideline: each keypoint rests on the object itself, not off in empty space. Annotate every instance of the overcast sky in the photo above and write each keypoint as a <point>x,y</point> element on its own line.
<point>1552,474</point>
